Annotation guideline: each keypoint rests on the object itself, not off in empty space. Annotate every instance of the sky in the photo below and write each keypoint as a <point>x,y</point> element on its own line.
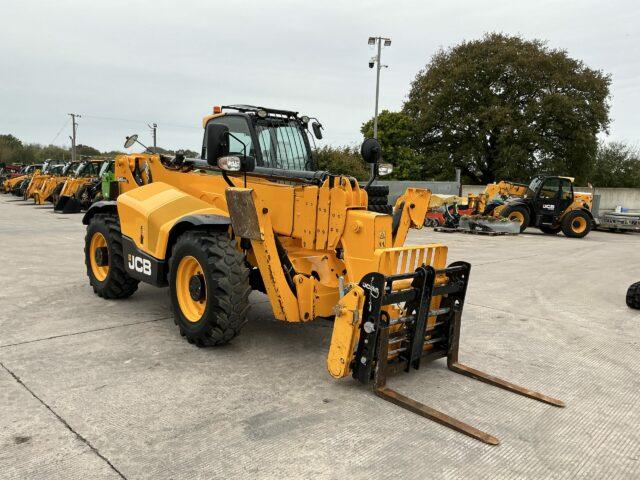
<point>124,64</point>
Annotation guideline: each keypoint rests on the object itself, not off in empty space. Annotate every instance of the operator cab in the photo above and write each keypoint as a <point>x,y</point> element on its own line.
<point>550,196</point>
<point>87,168</point>
<point>272,138</point>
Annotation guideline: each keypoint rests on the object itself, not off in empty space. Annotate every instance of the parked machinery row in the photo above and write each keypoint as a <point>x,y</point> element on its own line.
<point>71,187</point>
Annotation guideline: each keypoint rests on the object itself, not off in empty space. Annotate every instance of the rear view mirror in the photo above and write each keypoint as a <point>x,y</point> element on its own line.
<point>317,130</point>
<point>371,151</point>
<point>129,141</point>
<point>217,144</point>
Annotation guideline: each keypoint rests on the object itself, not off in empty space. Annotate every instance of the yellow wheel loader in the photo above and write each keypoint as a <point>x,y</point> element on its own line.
<point>250,215</point>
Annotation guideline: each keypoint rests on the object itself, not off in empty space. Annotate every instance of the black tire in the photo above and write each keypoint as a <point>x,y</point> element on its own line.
<point>378,200</point>
<point>226,283</point>
<point>378,190</point>
<point>55,195</point>
<point>633,296</point>
<point>550,230</point>
<point>519,211</point>
<point>386,209</point>
<point>118,283</point>
<point>576,224</point>
<point>83,195</point>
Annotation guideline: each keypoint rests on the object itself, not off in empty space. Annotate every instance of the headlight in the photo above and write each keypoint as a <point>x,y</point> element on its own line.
<point>385,169</point>
<point>230,163</point>
<point>262,113</point>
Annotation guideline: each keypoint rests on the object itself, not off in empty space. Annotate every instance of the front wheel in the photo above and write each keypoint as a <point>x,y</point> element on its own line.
<point>576,224</point>
<point>209,287</point>
<point>104,258</point>
<point>518,213</point>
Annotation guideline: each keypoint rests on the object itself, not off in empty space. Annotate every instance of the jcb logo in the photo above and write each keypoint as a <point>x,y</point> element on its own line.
<point>140,265</point>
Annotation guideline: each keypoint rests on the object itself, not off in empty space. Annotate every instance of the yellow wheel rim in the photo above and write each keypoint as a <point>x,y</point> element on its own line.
<point>516,216</point>
<point>192,308</point>
<point>579,224</point>
<point>99,271</point>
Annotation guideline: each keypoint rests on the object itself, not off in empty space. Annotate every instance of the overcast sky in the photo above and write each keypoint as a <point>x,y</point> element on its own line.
<point>122,64</point>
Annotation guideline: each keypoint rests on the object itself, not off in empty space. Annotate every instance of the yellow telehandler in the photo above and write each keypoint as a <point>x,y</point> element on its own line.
<point>50,189</point>
<point>548,202</point>
<point>37,182</point>
<point>70,198</point>
<point>252,213</point>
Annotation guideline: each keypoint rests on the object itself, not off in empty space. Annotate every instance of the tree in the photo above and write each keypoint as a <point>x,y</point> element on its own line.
<point>396,133</point>
<point>12,150</point>
<point>341,160</point>
<point>504,107</point>
<point>86,151</point>
<point>616,165</point>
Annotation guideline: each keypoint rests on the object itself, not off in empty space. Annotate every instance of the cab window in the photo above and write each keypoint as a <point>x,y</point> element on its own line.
<point>567,191</point>
<point>239,128</point>
<point>550,188</point>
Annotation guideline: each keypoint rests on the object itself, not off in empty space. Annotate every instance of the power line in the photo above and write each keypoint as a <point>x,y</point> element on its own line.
<point>59,131</point>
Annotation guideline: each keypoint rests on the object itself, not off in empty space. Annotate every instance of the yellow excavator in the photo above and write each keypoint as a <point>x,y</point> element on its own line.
<point>254,213</point>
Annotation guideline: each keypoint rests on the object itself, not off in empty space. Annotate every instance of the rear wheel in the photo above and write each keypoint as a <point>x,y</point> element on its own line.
<point>550,230</point>
<point>518,213</point>
<point>104,258</point>
<point>209,287</point>
<point>633,296</point>
<point>576,224</point>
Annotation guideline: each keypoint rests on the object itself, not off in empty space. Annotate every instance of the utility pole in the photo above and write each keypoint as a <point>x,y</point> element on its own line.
<point>377,62</point>
<point>74,126</point>
<point>154,129</point>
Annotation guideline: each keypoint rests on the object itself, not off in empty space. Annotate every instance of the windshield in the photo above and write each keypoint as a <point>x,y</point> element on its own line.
<point>105,167</point>
<point>79,169</point>
<point>533,187</point>
<point>283,145</point>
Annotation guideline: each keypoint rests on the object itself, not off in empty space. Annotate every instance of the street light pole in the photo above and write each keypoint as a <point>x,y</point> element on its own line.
<point>378,41</point>
<point>378,67</point>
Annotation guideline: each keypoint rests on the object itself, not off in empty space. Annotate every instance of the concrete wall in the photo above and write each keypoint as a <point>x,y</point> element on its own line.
<point>398,187</point>
<point>610,198</point>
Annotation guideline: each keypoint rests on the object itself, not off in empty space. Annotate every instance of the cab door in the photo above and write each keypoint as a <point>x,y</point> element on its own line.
<point>549,201</point>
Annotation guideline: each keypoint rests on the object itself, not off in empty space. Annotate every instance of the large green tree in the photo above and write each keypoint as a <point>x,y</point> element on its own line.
<point>616,165</point>
<point>396,133</point>
<point>505,107</point>
<point>341,160</point>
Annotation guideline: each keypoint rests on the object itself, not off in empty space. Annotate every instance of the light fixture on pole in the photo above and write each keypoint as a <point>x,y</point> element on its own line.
<point>376,61</point>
